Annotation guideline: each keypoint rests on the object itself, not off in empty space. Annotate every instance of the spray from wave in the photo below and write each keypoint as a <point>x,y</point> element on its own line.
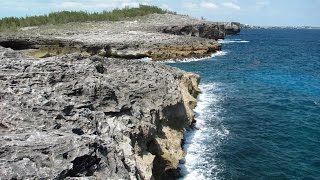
<point>216,54</point>
<point>230,41</point>
<point>198,163</point>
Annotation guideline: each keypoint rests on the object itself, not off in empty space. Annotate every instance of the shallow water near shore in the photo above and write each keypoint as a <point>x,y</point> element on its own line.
<point>259,114</point>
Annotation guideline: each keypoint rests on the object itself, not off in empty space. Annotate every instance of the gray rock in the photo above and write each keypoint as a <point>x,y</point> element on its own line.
<point>131,39</point>
<point>94,118</point>
<point>210,31</point>
<point>232,28</point>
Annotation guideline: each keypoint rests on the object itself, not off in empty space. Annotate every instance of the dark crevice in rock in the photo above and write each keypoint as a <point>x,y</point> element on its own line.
<point>82,166</point>
<point>75,92</point>
<point>57,126</point>
<point>100,68</point>
<point>16,44</point>
<point>121,113</point>
<point>67,110</point>
<point>125,165</point>
<point>88,106</point>
<point>59,116</point>
<point>65,155</point>
<point>45,151</point>
<point>3,125</point>
<point>152,147</point>
<point>78,131</point>
<point>160,170</point>
<point>179,114</point>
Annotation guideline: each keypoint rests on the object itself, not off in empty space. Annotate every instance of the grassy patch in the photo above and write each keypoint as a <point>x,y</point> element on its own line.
<point>14,23</point>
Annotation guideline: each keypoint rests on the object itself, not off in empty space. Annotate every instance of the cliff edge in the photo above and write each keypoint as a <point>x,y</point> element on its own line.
<point>67,117</point>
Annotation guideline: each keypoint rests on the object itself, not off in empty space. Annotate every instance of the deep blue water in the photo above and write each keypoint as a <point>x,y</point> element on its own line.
<point>259,114</point>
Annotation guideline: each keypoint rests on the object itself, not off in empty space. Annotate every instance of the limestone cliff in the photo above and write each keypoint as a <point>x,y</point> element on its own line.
<point>71,116</point>
<point>69,110</point>
<point>158,36</point>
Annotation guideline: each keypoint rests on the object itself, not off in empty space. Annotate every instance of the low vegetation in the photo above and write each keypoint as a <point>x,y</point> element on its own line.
<point>14,23</point>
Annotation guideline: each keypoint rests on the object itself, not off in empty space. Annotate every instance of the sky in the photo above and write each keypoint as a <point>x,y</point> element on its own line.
<point>253,12</point>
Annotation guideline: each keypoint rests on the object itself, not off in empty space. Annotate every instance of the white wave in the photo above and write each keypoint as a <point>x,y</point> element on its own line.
<point>195,164</point>
<point>146,59</point>
<point>186,60</point>
<point>229,41</point>
<point>219,53</point>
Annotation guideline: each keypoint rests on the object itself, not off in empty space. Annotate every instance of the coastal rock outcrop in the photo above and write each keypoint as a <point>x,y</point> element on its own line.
<point>232,28</point>
<point>205,30</point>
<point>210,31</point>
<point>73,116</point>
<point>195,50</point>
<point>157,36</point>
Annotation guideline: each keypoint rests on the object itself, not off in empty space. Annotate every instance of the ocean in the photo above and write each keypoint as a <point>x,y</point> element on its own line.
<point>259,114</point>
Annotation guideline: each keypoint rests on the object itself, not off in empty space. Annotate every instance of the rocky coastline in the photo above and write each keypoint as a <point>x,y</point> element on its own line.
<point>76,103</point>
<point>157,36</point>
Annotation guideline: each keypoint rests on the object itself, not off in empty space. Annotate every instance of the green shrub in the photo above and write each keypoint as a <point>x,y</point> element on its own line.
<point>62,17</point>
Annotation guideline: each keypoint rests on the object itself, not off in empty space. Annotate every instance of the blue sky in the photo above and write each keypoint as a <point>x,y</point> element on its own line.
<point>257,12</point>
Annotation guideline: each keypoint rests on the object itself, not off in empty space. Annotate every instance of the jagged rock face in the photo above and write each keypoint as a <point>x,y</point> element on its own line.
<point>205,30</point>
<point>69,116</point>
<point>195,50</point>
<point>232,28</point>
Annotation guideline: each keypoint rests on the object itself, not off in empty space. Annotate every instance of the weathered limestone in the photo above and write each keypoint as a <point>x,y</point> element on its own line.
<point>156,36</point>
<point>69,110</point>
<point>72,116</point>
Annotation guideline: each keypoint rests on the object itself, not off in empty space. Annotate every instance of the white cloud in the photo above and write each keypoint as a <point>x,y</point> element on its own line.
<point>202,5</point>
<point>21,4</point>
<point>35,7</point>
<point>71,5</point>
<point>165,6</point>
<point>190,5</point>
<point>262,4</point>
<point>231,5</point>
<point>97,4</point>
<point>84,5</point>
<point>129,4</point>
<point>208,5</point>
<point>105,5</point>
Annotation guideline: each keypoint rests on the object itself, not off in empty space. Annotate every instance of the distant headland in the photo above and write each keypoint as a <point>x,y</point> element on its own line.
<point>247,26</point>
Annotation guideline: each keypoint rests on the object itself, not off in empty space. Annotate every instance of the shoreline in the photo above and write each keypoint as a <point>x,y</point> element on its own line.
<point>116,117</point>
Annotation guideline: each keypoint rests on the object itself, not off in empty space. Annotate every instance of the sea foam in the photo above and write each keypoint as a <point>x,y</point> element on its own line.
<point>207,110</point>
<point>230,41</point>
<point>186,60</point>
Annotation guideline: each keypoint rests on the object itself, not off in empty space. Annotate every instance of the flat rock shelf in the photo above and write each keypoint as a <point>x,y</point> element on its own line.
<point>158,36</point>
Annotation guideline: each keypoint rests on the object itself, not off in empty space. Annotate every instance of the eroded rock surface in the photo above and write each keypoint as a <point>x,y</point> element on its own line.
<point>68,111</point>
<point>69,117</point>
<point>158,36</point>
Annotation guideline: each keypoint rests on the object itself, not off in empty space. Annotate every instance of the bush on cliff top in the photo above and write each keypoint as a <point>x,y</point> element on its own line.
<point>13,23</point>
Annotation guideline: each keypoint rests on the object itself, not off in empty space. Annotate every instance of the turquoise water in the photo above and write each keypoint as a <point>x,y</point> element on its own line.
<point>259,114</point>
